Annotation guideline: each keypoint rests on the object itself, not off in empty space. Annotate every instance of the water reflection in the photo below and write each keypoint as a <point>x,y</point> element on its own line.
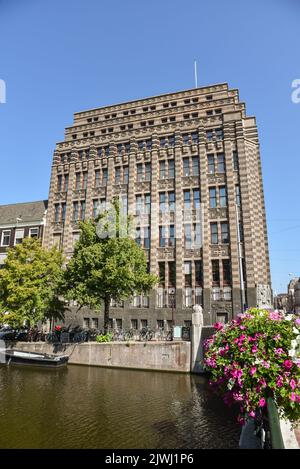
<point>85,407</point>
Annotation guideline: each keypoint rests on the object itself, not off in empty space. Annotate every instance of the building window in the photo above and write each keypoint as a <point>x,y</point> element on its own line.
<point>197,236</point>
<point>134,324</point>
<point>162,202</point>
<point>127,148</point>
<point>224,233</point>
<point>172,274</point>
<point>227,293</point>
<point>219,134</point>
<point>147,204</point>
<point>235,161</point>
<point>104,177</point>
<point>171,169</point>
<point>187,236</point>
<point>186,139</point>
<point>195,165</point>
<point>163,142</point>
<point>139,170</point>
<point>160,295</point>
<point>162,273</point>
<point>85,180</point>
<point>5,239</point>
<point>117,175</point>
<point>19,236</point>
<point>187,199</point>
<point>99,152</point>
<point>216,294</point>
<point>82,210</point>
<point>212,197</point>
<point>195,136</point>
<point>211,164</point>
<point>77,181</point>
<point>160,324</point>
<point>144,323</point>
<point>147,237</point>
<point>171,201</point>
<point>209,135</point>
<point>238,195</point>
<point>188,297</point>
<point>223,197</point>
<point>215,271</point>
<point>162,236</point>
<point>95,323</point>
<point>198,273</point>
<point>56,213</point>
<point>188,273</point>
<point>241,232</point>
<point>148,172</point>
<point>75,211</point>
<point>226,272</point>
<point>214,239</point>
<point>138,235</point>
<point>186,166</point>
<point>59,183</point>
<point>86,323</point>
<point>196,196</point>
<point>66,183</point>
<point>125,175</point>
<point>97,178</point>
<point>149,144</point>
<point>162,170</point>
<point>119,323</point>
<point>221,163</point>
<point>172,236</point>
<point>63,212</point>
<point>138,204</point>
<point>198,296</point>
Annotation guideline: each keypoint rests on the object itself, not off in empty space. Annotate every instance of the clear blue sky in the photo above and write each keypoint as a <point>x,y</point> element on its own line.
<point>62,56</point>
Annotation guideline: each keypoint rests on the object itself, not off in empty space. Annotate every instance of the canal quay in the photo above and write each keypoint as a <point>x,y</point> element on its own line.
<point>91,407</point>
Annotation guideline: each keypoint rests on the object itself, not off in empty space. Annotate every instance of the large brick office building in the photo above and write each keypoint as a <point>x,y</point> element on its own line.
<point>187,166</point>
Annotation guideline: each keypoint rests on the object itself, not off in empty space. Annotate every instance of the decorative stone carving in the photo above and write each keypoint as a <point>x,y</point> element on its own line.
<point>264,296</point>
<point>198,316</point>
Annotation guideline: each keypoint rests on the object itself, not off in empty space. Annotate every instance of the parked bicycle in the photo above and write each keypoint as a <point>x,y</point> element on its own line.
<point>146,334</point>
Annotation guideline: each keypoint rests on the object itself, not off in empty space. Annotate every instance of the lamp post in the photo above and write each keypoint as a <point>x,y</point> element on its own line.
<point>172,292</point>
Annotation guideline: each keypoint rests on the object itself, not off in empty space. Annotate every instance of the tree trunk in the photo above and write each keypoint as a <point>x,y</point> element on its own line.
<point>106,314</point>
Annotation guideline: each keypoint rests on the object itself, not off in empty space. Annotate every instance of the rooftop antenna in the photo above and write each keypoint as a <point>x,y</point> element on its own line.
<point>196,74</point>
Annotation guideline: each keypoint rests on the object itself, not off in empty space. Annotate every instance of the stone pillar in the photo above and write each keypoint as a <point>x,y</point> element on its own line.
<point>196,342</point>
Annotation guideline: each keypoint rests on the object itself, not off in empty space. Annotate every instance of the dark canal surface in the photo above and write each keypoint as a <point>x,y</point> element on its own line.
<point>85,407</point>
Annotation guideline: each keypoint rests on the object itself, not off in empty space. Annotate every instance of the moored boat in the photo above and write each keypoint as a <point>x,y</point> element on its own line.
<point>21,357</point>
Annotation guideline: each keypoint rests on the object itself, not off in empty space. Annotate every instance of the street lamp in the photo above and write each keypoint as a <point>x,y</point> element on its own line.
<point>172,292</point>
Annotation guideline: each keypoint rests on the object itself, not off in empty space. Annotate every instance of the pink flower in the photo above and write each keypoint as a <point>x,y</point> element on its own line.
<point>279,351</point>
<point>252,370</point>
<point>252,414</point>
<point>293,384</point>
<point>275,316</point>
<point>297,321</point>
<point>293,397</point>
<point>266,364</point>
<point>218,326</point>
<point>287,364</point>
<point>262,402</point>
<point>279,382</point>
<point>277,337</point>
<point>254,349</point>
<point>242,328</point>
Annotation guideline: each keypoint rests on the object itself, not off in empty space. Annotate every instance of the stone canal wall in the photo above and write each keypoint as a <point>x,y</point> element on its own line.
<point>159,356</point>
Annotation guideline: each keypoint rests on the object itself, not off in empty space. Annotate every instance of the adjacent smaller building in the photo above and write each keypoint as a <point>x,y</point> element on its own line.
<point>290,301</point>
<point>19,221</point>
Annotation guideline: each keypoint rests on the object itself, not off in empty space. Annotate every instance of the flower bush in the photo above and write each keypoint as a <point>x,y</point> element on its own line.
<point>255,357</point>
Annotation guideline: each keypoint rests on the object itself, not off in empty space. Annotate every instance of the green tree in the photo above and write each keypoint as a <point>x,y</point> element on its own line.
<point>30,282</point>
<point>106,267</point>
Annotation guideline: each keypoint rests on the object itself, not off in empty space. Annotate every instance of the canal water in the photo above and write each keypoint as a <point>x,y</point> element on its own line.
<point>86,407</point>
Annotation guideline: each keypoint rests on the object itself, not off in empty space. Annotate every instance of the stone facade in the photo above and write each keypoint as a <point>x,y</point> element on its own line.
<point>191,160</point>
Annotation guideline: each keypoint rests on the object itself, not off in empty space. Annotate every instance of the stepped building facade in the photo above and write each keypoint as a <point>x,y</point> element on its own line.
<point>187,166</point>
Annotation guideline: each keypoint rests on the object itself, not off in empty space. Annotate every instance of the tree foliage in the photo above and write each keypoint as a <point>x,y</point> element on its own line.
<point>30,282</point>
<point>105,268</point>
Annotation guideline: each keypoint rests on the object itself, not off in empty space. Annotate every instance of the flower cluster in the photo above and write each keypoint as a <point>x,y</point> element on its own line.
<point>254,357</point>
